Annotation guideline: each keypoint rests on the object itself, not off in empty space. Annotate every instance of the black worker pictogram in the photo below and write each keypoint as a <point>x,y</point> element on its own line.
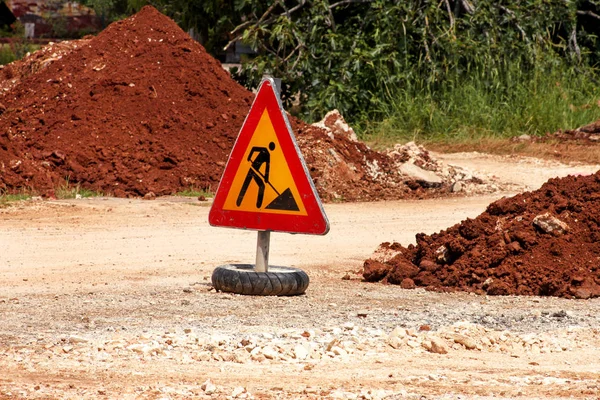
<point>284,200</point>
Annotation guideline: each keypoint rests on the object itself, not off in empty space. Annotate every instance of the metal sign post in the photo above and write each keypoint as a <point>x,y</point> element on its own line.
<point>264,237</point>
<point>262,251</point>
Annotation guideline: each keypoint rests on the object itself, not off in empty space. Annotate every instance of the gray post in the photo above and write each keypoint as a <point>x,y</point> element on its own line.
<point>278,84</point>
<point>264,237</point>
<point>262,251</point>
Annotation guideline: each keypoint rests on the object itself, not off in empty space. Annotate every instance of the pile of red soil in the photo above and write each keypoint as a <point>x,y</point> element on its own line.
<point>119,114</point>
<point>587,134</point>
<point>584,135</point>
<point>545,243</point>
<point>143,108</point>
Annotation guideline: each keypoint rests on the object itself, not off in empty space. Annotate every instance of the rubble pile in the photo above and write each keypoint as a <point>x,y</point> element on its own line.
<point>293,349</point>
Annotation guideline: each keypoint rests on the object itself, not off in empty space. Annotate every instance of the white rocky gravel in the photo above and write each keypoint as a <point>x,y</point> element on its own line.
<point>314,336</point>
<point>101,301</point>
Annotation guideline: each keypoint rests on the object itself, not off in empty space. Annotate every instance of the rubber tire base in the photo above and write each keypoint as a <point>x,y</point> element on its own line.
<point>243,279</point>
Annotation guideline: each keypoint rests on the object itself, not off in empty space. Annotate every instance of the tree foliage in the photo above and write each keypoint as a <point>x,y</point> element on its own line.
<point>355,55</point>
<point>109,10</point>
<point>211,20</point>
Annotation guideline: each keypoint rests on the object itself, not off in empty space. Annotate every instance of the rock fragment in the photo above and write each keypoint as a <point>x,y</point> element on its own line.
<point>466,341</point>
<point>550,224</point>
<point>435,345</point>
<point>208,387</point>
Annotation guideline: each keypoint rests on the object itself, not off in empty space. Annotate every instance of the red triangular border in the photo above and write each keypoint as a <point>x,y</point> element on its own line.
<point>315,222</point>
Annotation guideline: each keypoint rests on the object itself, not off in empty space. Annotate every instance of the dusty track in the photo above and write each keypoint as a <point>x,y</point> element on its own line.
<point>109,298</point>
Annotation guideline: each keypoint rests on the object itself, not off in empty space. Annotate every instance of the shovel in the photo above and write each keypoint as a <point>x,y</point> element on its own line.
<point>284,200</point>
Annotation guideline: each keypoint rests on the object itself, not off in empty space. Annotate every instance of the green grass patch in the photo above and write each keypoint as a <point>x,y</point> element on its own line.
<point>6,199</point>
<point>195,192</point>
<point>489,105</point>
<point>16,50</point>
<point>69,190</point>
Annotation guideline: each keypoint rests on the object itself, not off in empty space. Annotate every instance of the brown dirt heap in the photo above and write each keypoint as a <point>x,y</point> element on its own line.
<point>545,242</point>
<point>139,108</point>
<point>587,134</point>
<point>142,108</point>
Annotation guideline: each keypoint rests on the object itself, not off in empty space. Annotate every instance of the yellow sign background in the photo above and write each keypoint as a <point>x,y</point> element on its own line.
<point>279,175</point>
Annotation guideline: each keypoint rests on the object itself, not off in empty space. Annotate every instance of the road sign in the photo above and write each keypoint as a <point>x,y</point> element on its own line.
<point>266,185</point>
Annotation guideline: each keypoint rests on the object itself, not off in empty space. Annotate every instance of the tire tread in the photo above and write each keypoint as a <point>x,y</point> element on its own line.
<point>242,279</point>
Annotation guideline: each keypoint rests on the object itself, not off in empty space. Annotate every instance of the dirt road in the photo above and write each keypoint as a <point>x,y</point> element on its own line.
<point>110,298</point>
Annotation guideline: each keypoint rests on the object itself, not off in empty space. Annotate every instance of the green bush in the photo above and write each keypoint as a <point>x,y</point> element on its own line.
<point>6,55</point>
<point>549,97</point>
<point>376,59</point>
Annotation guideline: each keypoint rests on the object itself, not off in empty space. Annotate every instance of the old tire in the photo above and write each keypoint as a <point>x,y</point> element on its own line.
<point>243,279</point>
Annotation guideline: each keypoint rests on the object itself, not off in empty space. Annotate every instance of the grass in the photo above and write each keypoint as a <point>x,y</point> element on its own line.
<point>69,190</point>
<point>6,198</point>
<point>72,191</point>
<point>195,192</point>
<point>485,107</point>
<point>16,50</point>
<point>564,152</point>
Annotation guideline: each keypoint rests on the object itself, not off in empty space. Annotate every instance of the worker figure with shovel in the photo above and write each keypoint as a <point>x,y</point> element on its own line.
<point>263,157</point>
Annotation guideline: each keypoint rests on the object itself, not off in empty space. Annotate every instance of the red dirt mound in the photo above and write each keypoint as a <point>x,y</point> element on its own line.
<point>119,114</point>
<point>588,134</point>
<point>545,242</point>
<point>143,108</point>
<point>584,135</point>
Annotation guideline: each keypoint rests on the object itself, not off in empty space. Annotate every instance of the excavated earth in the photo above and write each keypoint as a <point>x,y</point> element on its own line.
<point>142,108</point>
<point>545,243</point>
<point>586,135</point>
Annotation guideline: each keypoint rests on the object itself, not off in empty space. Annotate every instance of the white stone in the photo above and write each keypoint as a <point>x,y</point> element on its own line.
<point>442,254</point>
<point>457,187</point>
<point>218,340</point>
<point>136,348</point>
<point>208,387</point>
<point>338,351</point>
<point>549,223</point>
<point>203,356</point>
<point>419,174</point>
<point>384,254</point>
<point>465,341</point>
<point>269,352</point>
<point>398,332</point>
<point>77,339</point>
<point>300,352</point>
<point>394,342</point>
<point>435,345</point>
<point>332,343</point>
<point>334,124</point>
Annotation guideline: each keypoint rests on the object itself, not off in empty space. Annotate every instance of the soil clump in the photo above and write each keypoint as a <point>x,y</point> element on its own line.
<point>584,135</point>
<point>545,243</point>
<point>142,109</point>
<point>587,134</point>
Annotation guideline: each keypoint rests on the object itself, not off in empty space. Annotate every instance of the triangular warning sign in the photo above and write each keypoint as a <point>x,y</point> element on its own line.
<point>266,185</point>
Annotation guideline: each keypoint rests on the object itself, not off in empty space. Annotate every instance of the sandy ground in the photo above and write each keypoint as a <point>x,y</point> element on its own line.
<point>110,298</point>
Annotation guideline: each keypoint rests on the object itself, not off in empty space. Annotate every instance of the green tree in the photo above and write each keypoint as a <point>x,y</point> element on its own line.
<point>212,20</point>
<point>112,10</point>
<point>354,54</point>
<point>358,55</point>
